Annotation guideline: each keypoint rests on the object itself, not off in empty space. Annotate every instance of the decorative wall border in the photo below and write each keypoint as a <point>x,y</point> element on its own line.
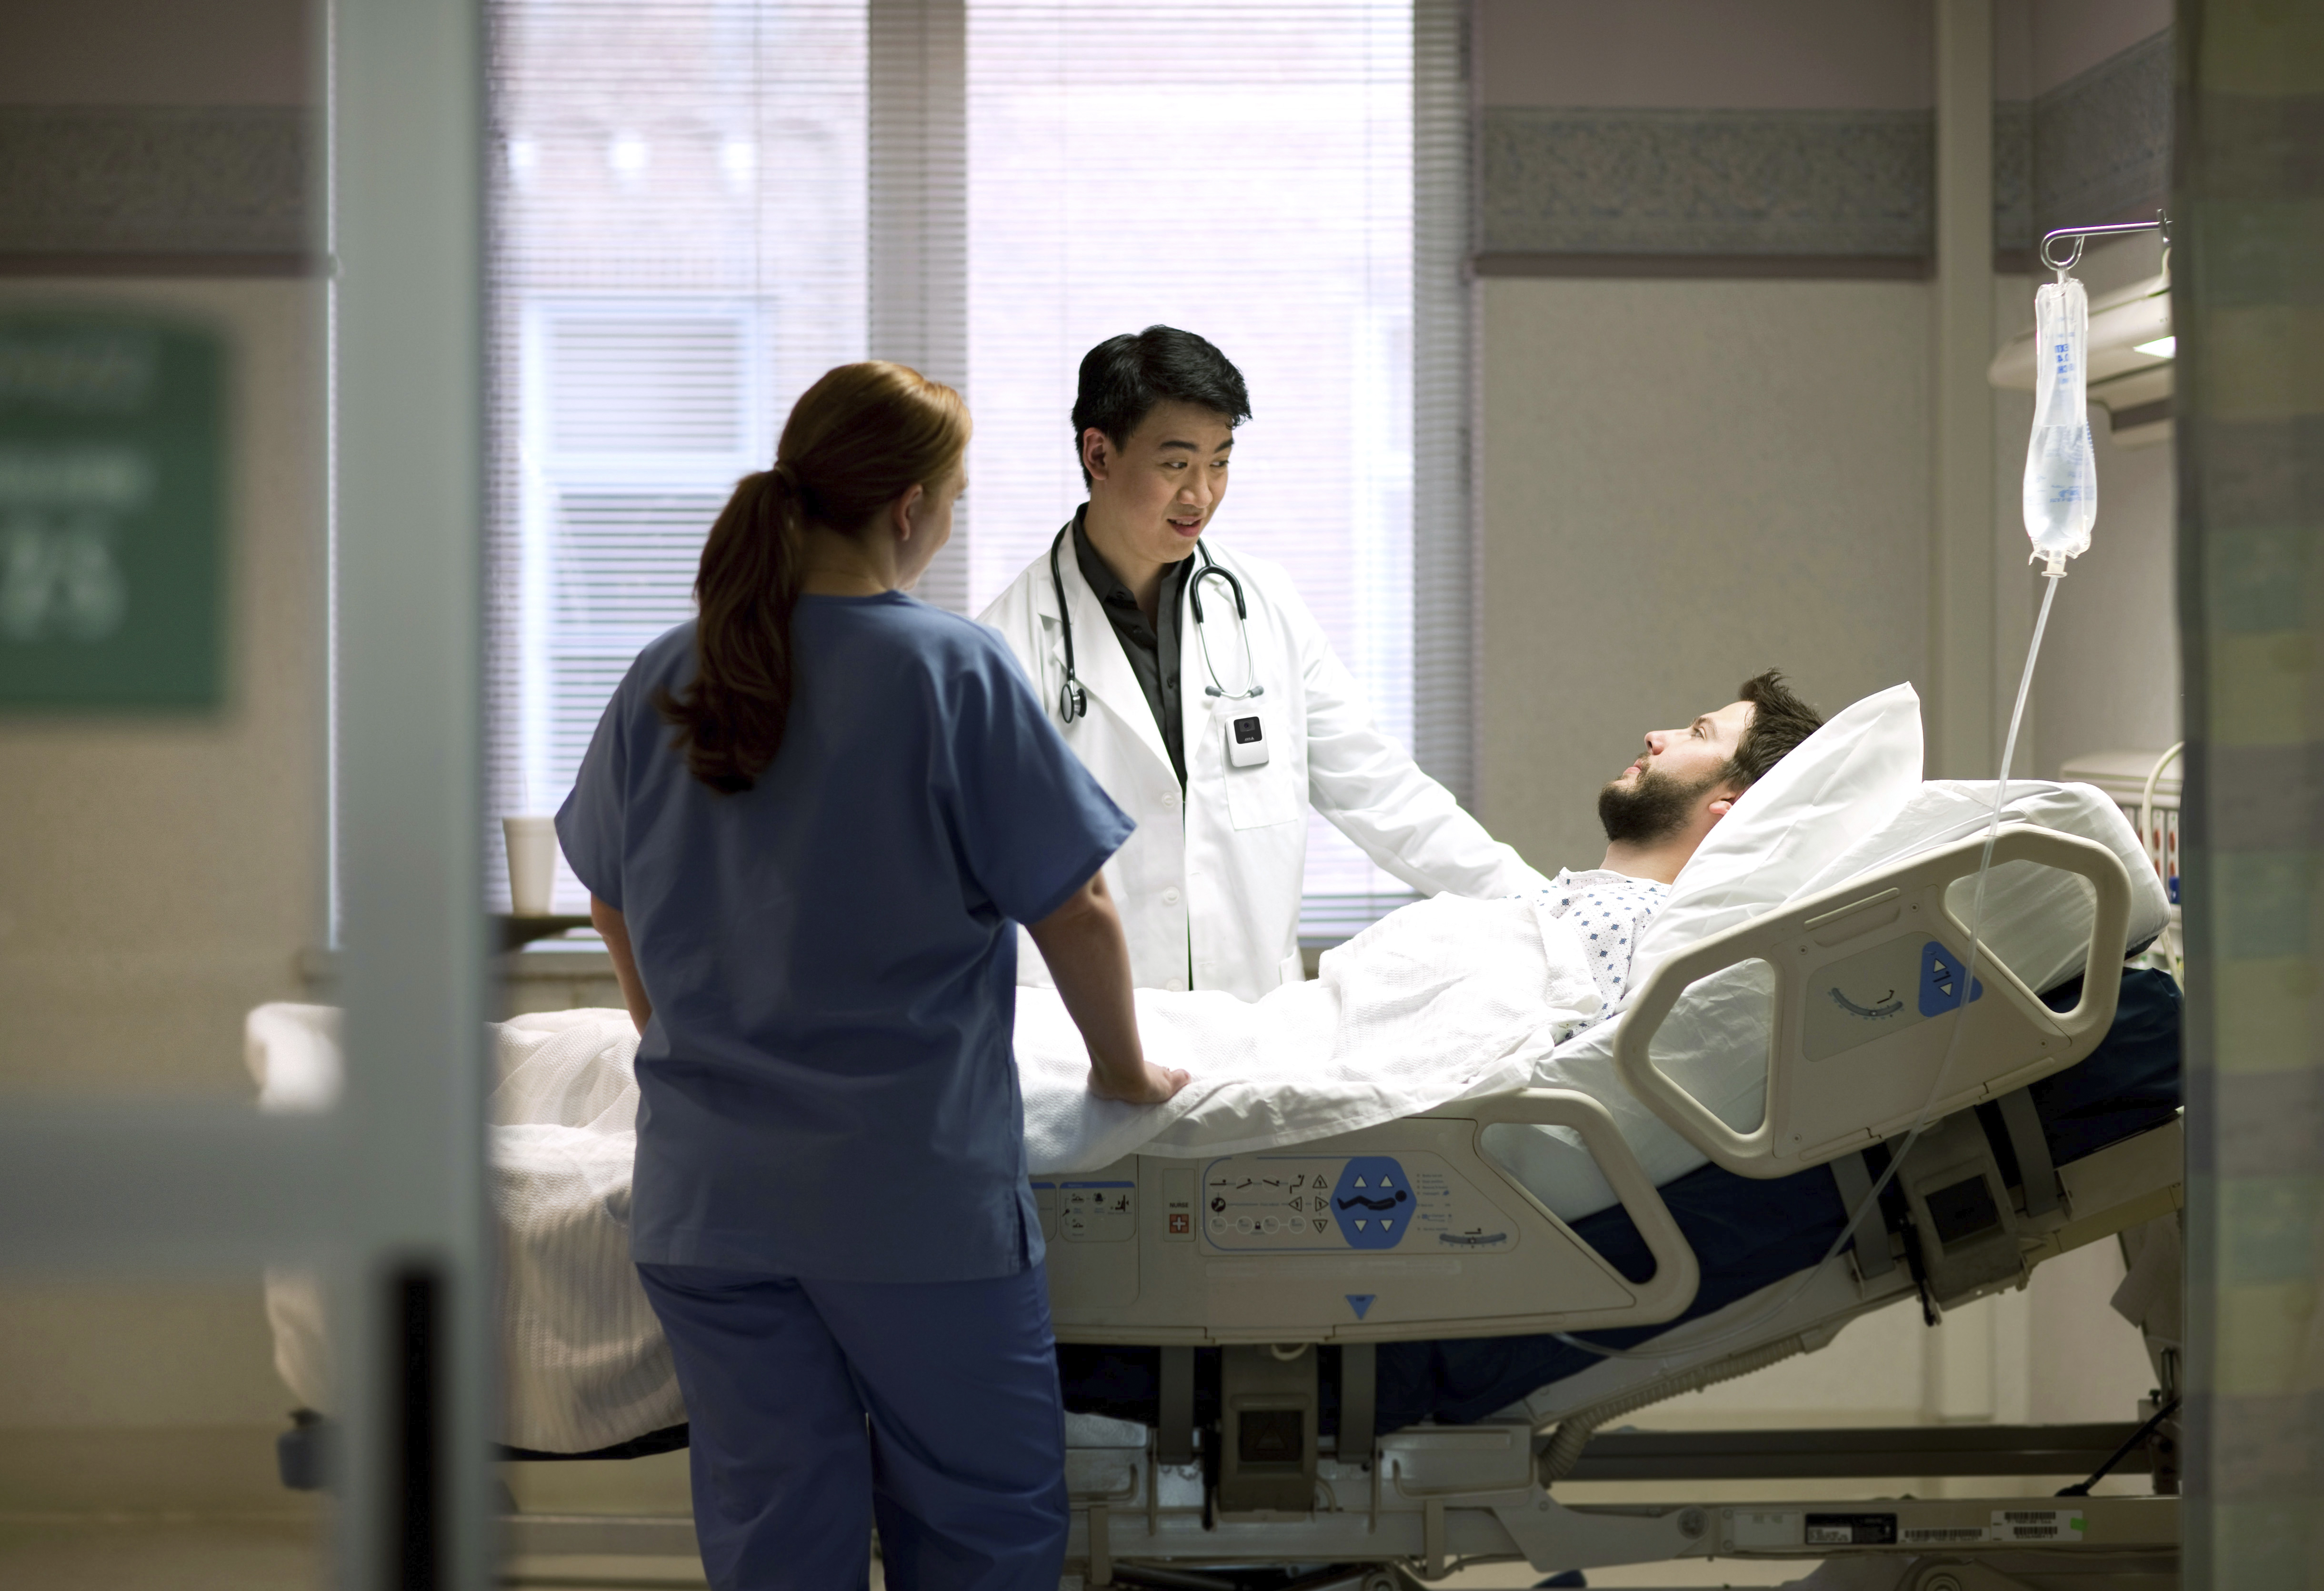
<point>1610,193</point>
<point>2101,141</point>
<point>200,190</point>
<point>1706,182</point>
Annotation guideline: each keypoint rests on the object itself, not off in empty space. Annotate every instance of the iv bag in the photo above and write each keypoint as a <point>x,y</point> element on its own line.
<point>2062,480</point>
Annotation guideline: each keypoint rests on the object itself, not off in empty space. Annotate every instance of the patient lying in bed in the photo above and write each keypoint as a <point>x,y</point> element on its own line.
<point>1445,1000</point>
<point>1658,810</point>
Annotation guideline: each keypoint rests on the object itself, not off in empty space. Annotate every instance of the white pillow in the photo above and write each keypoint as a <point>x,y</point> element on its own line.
<point>2036,919</point>
<point>1845,782</point>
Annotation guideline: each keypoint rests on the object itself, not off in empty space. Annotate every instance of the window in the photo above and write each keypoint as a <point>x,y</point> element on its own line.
<point>646,415</point>
<point>689,227</point>
<point>678,249</point>
<point>1243,170</point>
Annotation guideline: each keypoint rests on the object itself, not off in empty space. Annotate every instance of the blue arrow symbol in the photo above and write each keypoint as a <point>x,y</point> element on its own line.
<point>1361,1302</point>
<point>1940,981</point>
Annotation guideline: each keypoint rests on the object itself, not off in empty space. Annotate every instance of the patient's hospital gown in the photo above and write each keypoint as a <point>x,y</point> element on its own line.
<point>1607,909</point>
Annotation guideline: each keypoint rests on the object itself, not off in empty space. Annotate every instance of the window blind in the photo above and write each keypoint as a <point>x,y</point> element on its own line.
<point>1243,170</point>
<point>698,206</point>
<point>1447,569</point>
<point>678,237</point>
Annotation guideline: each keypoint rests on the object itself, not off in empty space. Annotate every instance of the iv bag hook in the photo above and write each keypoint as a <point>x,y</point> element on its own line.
<point>2080,236</point>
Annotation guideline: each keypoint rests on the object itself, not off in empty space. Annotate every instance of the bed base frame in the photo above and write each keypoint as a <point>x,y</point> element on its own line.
<point>1428,1498</point>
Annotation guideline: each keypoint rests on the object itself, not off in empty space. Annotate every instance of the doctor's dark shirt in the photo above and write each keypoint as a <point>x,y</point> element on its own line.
<point>826,1088</point>
<point>1152,649</point>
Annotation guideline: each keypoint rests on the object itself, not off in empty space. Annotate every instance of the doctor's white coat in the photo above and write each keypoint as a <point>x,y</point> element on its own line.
<point>1211,889</point>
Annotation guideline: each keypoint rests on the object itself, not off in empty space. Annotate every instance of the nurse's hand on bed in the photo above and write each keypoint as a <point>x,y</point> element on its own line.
<point>1089,959</point>
<point>1151,1085</point>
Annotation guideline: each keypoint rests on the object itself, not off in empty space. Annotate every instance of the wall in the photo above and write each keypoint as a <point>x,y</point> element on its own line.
<point>1687,482</point>
<point>1705,386</point>
<point>150,52</point>
<point>177,870</point>
<point>1690,474</point>
<point>1693,54</point>
<point>164,875</point>
<point>174,877</point>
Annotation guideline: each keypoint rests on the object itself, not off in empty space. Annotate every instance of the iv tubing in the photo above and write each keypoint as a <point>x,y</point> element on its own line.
<point>2055,572</point>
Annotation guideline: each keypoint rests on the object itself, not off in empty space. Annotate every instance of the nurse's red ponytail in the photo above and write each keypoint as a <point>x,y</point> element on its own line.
<point>856,440</point>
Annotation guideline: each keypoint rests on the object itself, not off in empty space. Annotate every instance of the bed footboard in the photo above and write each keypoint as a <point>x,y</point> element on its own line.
<point>1404,1230</point>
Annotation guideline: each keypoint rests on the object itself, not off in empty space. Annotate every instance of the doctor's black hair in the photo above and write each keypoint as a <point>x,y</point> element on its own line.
<point>1124,378</point>
<point>1779,722</point>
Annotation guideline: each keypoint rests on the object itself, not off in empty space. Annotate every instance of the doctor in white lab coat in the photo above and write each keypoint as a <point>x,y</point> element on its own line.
<point>1217,733</point>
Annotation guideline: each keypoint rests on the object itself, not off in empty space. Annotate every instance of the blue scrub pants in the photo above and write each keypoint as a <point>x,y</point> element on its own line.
<point>963,1462</point>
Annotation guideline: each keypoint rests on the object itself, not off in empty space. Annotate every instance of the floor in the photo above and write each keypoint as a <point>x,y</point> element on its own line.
<point>99,1554</point>
<point>288,1554</point>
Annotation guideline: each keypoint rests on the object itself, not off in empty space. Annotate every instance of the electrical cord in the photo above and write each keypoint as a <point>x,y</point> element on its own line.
<point>2122,1452</point>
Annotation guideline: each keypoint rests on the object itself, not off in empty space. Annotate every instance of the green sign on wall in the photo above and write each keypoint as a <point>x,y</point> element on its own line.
<point>111,514</point>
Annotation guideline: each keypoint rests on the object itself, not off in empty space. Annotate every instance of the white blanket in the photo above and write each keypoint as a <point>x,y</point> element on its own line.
<point>1446,1000</point>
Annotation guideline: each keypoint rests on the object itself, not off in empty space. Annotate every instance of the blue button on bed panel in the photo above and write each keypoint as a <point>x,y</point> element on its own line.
<point>1372,1202</point>
<point>1941,978</point>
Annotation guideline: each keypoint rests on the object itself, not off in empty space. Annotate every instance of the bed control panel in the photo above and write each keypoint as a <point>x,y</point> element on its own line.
<point>1087,1210</point>
<point>1400,1230</point>
<point>1294,1203</point>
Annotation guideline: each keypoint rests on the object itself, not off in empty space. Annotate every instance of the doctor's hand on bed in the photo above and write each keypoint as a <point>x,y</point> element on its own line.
<point>1089,958</point>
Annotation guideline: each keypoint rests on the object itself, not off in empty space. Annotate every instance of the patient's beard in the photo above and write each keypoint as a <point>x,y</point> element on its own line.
<point>1651,810</point>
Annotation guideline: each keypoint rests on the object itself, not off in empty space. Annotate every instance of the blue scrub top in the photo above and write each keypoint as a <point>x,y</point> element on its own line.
<point>827,1087</point>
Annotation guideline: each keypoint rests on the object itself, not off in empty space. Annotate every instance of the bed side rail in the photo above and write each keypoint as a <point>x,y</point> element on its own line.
<point>1867,992</point>
<point>1677,1273</point>
<point>1404,1230</point>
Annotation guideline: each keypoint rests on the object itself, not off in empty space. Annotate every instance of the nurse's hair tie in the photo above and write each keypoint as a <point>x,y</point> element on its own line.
<point>785,474</point>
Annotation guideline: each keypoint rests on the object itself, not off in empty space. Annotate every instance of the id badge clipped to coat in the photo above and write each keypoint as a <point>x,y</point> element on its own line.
<point>1247,744</point>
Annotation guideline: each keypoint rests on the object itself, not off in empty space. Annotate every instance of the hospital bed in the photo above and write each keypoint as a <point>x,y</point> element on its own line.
<point>1392,1383</point>
<point>1342,1357</point>
<point>1280,1452</point>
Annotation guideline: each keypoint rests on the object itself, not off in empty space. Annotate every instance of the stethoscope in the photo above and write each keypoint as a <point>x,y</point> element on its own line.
<point>1073,702</point>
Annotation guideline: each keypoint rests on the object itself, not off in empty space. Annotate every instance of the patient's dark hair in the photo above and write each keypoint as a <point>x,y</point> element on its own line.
<point>1779,722</point>
<point>1124,378</point>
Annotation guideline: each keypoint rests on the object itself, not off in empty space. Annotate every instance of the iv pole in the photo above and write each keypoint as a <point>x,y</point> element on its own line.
<point>2082,235</point>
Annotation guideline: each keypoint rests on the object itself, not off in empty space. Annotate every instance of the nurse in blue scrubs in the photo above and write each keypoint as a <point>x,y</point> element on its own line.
<point>810,822</point>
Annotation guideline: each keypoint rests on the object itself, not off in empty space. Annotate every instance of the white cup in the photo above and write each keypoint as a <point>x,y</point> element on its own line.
<point>532,864</point>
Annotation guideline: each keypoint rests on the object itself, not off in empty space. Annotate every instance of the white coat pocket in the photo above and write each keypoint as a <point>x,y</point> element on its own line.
<point>1261,794</point>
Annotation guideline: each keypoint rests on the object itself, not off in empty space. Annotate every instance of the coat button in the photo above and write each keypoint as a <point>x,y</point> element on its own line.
<point>1169,897</point>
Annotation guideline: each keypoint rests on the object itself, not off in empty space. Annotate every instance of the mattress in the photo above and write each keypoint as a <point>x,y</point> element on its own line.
<point>1747,1234</point>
